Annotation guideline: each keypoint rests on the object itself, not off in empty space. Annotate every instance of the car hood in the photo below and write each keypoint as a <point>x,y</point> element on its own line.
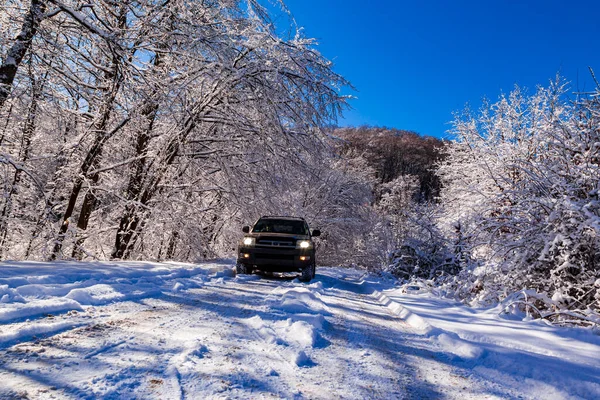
<point>287,236</point>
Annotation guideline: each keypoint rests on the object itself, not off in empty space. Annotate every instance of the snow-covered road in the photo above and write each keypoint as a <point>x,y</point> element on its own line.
<point>182,331</point>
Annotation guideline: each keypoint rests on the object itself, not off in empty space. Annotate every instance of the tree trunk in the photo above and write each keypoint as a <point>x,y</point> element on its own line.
<point>130,220</point>
<point>89,164</point>
<point>12,59</point>
<point>129,223</point>
<point>172,245</point>
<point>94,156</point>
<point>127,227</point>
<point>8,115</point>
<point>28,130</point>
<point>90,202</point>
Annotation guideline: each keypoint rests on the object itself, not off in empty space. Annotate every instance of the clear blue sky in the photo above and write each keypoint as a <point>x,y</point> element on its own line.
<point>414,63</point>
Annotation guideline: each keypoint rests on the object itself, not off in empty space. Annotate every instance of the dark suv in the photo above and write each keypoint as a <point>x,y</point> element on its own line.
<point>278,244</point>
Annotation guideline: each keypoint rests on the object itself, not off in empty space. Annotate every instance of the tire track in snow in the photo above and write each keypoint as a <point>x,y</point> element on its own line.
<point>260,341</point>
<point>225,341</point>
<point>367,370</point>
<point>382,355</point>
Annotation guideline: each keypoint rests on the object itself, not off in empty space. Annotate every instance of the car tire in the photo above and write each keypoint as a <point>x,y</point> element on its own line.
<point>308,273</point>
<point>240,268</point>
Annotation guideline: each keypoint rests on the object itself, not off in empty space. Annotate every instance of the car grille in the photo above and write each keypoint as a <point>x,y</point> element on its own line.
<point>276,242</point>
<point>274,257</point>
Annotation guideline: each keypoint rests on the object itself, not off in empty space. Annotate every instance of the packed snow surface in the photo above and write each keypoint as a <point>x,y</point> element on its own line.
<point>196,331</point>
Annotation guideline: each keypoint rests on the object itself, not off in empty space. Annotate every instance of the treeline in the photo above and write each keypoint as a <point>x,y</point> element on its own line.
<point>402,233</point>
<point>140,129</point>
<point>507,212</point>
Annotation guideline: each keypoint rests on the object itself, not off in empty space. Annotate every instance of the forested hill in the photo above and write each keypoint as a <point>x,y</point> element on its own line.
<point>394,152</point>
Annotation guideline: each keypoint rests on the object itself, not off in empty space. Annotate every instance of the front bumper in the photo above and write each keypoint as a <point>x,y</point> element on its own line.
<point>276,260</point>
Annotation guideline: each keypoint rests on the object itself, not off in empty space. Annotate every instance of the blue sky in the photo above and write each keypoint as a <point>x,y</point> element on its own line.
<point>414,63</point>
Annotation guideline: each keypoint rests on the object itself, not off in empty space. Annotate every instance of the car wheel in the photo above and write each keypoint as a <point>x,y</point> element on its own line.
<point>240,268</point>
<point>308,273</point>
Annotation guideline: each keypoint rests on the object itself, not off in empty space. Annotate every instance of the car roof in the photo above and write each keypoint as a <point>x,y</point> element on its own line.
<point>282,217</point>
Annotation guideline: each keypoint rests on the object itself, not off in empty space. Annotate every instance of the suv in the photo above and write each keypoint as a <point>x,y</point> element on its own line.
<point>278,244</point>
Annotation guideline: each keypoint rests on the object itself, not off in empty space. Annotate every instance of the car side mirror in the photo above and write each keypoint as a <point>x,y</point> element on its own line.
<point>316,232</point>
<point>246,229</point>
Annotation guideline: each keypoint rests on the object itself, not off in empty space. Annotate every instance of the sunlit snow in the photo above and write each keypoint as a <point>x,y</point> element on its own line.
<point>195,331</point>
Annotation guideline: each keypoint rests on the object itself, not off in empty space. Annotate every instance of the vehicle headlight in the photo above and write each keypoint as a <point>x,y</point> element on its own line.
<point>248,241</point>
<point>304,244</point>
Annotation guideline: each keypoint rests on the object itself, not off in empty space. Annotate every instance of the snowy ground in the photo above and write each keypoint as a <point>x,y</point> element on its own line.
<point>174,331</point>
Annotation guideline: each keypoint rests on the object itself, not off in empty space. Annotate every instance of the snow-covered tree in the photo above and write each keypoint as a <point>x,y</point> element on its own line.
<point>151,111</point>
<point>521,182</point>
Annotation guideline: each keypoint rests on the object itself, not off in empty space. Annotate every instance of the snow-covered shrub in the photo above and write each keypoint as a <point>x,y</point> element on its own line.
<point>522,183</point>
<point>419,248</point>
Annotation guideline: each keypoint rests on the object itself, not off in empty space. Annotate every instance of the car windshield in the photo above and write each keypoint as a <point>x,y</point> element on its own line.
<point>281,226</point>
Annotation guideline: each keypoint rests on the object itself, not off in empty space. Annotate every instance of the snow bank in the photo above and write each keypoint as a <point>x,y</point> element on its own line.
<point>18,333</point>
<point>452,343</point>
<point>8,295</point>
<point>298,300</point>
<point>294,338</point>
<point>412,319</point>
<point>96,295</point>
<point>499,348</point>
<point>34,290</point>
<point>449,342</point>
<point>37,308</point>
